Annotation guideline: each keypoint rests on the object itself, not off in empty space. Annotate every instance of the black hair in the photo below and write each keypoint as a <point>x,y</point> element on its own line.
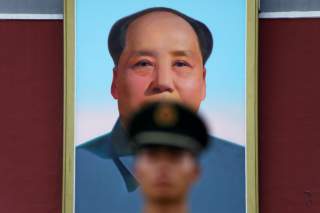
<point>117,34</point>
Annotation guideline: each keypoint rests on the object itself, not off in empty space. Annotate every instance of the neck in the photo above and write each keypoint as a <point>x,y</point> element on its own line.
<point>167,207</point>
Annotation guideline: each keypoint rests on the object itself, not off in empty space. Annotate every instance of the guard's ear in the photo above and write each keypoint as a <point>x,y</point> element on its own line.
<point>197,172</point>
<point>204,85</point>
<point>114,85</point>
<point>136,170</point>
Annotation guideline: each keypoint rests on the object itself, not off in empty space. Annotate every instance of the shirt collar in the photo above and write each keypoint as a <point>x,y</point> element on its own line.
<point>122,147</point>
<point>119,139</point>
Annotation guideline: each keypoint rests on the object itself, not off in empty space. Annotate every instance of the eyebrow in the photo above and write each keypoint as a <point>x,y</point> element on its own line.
<point>144,53</point>
<point>181,53</point>
<point>153,53</point>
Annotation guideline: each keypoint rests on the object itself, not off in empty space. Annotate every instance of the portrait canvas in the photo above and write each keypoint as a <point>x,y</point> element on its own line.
<point>103,177</point>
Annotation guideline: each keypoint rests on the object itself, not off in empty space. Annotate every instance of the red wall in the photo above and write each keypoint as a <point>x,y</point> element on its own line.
<point>289,115</point>
<point>31,112</point>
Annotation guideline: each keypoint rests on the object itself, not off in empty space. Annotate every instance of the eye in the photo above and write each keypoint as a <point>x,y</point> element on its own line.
<point>181,64</point>
<point>143,63</point>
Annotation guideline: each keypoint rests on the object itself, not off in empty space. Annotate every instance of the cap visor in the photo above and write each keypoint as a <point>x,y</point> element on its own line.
<point>167,139</point>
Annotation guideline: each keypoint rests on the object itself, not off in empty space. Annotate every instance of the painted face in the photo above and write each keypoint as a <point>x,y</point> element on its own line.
<point>165,175</point>
<point>161,61</point>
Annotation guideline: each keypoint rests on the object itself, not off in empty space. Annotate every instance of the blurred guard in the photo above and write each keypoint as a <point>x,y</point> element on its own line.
<point>168,139</point>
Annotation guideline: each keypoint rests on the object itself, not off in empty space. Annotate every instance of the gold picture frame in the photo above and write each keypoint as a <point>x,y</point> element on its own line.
<point>251,107</point>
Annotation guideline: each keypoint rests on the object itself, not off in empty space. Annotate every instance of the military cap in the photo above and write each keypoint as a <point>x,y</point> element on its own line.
<point>117,34</point>
<point>168,124</point>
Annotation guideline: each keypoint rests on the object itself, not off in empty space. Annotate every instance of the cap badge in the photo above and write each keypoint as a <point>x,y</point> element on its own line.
<point>165,115</point>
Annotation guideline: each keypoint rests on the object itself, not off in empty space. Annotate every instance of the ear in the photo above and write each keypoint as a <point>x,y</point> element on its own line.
<point>136,170</point>
<point>197,172</point>
<point>204,85</point>
<point>114,85</point>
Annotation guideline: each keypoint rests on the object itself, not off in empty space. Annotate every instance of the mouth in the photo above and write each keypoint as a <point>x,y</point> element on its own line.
<point>164,96</point>
<point>163,183</point>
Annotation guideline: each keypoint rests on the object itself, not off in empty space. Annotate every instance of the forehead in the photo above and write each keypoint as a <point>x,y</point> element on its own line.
<point>158,17</point>
<point>161,26</point>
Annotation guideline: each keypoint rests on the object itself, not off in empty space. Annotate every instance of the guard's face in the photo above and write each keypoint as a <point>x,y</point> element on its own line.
<point>161,61</point>
<point>165,175</point>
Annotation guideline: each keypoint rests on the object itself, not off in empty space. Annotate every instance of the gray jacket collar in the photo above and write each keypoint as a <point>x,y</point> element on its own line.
<point>120,143</point>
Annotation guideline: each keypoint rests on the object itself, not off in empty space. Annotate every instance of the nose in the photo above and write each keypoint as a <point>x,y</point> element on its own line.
<point>164,164</point>
<point>162,81</point>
